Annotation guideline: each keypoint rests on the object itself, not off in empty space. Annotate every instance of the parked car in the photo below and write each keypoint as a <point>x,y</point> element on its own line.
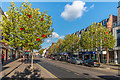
<point>61,58</point>
<point>52,57</point>
<point>76,61</point>
<point>91,63</point>
<point>55,58</point>
<point>85,62</point>
<point>68,60</point>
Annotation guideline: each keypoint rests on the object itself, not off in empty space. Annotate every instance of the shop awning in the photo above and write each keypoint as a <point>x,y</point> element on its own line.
<point>27,53</point>
<point>91,52</point>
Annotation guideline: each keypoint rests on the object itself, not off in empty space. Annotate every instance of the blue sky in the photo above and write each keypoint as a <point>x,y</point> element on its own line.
<point>73,17</point>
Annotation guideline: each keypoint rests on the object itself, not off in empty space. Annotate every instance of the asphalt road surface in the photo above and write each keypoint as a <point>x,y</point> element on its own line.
<point>64,70</point>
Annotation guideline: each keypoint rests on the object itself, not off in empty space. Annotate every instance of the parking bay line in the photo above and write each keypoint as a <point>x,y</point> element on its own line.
<point>76,73</point>
<point>106,69</point>
<point>68,70</point>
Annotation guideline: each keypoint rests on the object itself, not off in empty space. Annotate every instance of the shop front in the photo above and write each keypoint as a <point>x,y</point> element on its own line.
<point>5,54</point>
<point>80,55</point>
<point>89,55</point>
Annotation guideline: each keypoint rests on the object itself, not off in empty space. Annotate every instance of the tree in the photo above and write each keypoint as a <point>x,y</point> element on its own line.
<point>71,43</point>
<point>41,51</point>
<point>96,38</point>
<point>60,46</point>
<point>52,49</point>
<point>26,27</point>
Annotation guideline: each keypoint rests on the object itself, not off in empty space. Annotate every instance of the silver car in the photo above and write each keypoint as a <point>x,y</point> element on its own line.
<point>76,61</point>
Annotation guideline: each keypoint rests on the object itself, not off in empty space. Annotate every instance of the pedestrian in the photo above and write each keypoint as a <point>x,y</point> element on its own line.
<point>51,57</point>
<point>21,58</point>
<point>2,58</point>
<point>13,56</point>
<point>27,58</point>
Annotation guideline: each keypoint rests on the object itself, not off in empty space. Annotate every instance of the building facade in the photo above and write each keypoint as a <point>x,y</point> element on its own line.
<point>116,33</point>
<point>109,23</point>
<point>6,49</point>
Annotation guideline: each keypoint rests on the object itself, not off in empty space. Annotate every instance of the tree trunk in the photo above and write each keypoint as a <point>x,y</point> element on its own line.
<point>98,56</point>
<point>32,61</point>
<point>107,56</point>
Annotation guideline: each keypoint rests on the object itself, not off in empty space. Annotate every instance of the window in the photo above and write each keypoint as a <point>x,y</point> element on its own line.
<point>118,37</point>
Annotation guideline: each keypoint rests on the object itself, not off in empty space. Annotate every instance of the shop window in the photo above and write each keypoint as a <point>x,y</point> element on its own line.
<point>118,37</point>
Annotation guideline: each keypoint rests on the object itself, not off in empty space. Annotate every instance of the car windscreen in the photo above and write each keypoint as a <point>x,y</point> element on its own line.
<point>95,60</point>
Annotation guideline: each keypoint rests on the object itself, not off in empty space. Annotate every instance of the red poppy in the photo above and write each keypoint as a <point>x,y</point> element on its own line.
<point>90,46</point>
<point>43,35</point>
<point>21,29</point>
<point>30,16</point>
<point>3,43</point>
<point>6,45</point>
<point>106,32</point>
<point>26,43</point>
<point>104,39</point>
<point>41,19</point>
<point>93,32</point>
<point>37,39</point>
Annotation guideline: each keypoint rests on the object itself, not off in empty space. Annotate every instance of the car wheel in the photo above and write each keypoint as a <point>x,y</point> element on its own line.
<point>76,63</point>
<point>92,65</point>
<point>89,65</point>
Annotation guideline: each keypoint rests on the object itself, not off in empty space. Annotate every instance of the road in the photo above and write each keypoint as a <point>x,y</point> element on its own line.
<point>64,70</point>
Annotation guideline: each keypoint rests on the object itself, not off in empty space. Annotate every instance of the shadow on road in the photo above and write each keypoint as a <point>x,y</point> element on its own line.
<point>36,60</point>
<point>3,68</point>
<point>29,61</point>
<point>109,77</point>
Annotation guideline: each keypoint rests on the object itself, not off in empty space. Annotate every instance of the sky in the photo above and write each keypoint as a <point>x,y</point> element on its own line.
<point>70,17</point>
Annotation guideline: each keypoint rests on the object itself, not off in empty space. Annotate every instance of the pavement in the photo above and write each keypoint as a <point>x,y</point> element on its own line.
<point>110,66</point>
<point>12,69</point>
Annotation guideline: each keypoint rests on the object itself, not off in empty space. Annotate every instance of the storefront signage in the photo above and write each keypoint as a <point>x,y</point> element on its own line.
<point>104,52</point>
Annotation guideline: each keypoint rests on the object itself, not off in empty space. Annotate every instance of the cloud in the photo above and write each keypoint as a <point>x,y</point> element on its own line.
<point>62,37</point>
<point>48,41</point>
<point>55,35</point>
<point>73,11</point>
<point>92,6</point>
<point>5,14</point>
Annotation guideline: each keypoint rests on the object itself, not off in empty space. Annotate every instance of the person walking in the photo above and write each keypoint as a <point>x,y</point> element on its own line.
<point>2,58</point>
<point>13,56</point>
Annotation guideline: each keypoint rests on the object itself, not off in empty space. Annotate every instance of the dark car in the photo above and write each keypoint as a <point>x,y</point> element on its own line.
<point>91,63</point>
<point>56,58</point>
<point>85,62</point>
<point>94,63</point>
